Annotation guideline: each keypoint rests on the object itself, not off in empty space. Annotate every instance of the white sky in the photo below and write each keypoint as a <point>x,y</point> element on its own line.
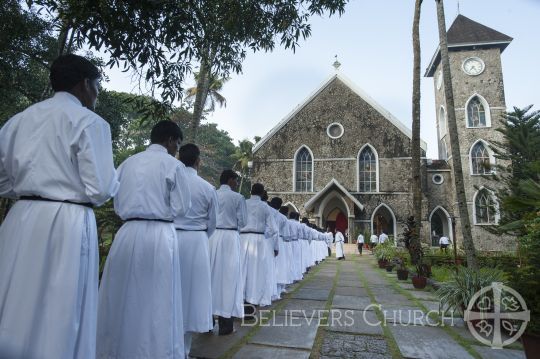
<point>373,43</point>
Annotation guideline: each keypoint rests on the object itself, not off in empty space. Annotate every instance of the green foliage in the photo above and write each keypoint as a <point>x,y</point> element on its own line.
<point>242,156</point>
<point>412,240</point>
<point>521,146</point>
<point>27,45</point>
<point>442,273</point>
<point>385,251</point>
<point>456,293</point>
<point>160,40</point>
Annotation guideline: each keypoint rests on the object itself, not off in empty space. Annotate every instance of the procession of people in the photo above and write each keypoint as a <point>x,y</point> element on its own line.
<point>187,254</point>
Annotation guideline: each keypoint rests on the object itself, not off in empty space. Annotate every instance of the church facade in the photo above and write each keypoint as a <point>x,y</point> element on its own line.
<point>344,161</point>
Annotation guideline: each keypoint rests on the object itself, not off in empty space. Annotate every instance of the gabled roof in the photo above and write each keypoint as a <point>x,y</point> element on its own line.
<point>333,183</point>
<point>357,91</point>
<point>466,33</point>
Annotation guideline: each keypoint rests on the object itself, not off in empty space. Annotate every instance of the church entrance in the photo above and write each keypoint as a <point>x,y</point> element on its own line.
<point>441,225</point>
<point>383,220</point>
<point>336,219</point>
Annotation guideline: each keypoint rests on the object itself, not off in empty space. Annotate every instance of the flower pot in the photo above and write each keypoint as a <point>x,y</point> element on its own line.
<point>531,345</point>
<point>402,274</point>
<point>419,282</point>
<point>382,263</point>
<point>389,268</point>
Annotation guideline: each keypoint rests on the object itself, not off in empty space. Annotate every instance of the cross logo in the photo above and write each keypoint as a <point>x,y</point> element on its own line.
<point>497,315</point>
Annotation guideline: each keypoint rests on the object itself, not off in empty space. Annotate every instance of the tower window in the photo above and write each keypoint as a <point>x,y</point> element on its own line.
<point>476,113</point>
<point>367,166</point>
<point>442,122</point>
<point>303,171</point>
<point>480,159</point>
<point>485,210</point>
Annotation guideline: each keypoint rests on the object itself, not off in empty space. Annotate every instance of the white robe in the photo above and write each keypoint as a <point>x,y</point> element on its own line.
<point>60,150</point>
<point>258,252</point>
<point>339,244</point>
<point>280,260</point>
<point>226,268</point>
<point>193,230</point>
<point>296,260</point>
<point>140,297</point>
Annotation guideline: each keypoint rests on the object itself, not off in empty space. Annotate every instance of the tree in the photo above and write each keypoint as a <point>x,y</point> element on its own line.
<point>160,39</point>
<point>205,95</point>
<point>242,156</point>
<point>415,239</point>
<point>520,151</point>
<point>459,186</point>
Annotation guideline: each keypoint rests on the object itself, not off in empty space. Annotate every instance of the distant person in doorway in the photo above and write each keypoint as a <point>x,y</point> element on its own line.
<point>443,243</point>
<point>383,237</point>
<point>339,245</point>
<point>374,240</point>
<point>360,243</point>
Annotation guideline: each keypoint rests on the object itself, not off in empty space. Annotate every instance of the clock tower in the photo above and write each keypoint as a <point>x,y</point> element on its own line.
<point>477,80</point>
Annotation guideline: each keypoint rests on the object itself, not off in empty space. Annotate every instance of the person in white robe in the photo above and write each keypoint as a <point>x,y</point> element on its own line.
<point>193,230</point>
<point>289,270</point>
<point>360,242</point>
<point>329,240</point>
<point>295,233</point>
<point>259,247</point>
<point>56,158</point>
<point>280,260</point>
<point>225,265</point>
<point>140,298</point>
<point>374,241</point>
<point>383,237</point>
<point>339,245</point>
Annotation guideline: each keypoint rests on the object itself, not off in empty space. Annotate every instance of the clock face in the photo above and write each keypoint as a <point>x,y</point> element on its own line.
<point>473,66</point>
<point>439,80</point>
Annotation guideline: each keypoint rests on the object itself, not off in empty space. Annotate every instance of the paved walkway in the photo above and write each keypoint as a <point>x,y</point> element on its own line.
<point>349,309</point>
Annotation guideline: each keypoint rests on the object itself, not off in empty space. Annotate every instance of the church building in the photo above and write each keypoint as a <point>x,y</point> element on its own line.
<point>344,161</point>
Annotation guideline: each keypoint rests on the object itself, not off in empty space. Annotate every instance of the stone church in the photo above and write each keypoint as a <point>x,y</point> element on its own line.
<point>344,161</point>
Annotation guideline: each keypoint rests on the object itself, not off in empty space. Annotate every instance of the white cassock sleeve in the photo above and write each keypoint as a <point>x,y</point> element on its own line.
<point>6,187</point>
<point>212,213</point>
<point>180,195</point>
<point>286,230</point>
<point>272,228</point>
<point>95,160</point>
<point>241,213</point>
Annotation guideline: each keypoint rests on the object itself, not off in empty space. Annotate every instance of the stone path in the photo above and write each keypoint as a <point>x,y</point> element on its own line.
<point>348,309</point>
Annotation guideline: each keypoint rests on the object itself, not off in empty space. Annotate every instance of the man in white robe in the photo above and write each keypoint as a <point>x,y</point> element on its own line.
<point>140,297</point>
<point>258,243</point>
<point>339,245</point>
<point>295,233</point>
<point>329,240</point>
<point>383,237</point>
<point>280,260</point>
<point>56,158</point>
<point>193,230</point>
<point>226,268</point>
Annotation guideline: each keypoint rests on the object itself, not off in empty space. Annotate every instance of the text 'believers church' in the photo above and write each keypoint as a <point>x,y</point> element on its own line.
<point>345,162</point>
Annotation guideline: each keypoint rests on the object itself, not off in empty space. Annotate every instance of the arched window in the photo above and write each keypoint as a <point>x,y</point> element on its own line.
<point>303,171</point>
<point>442,122</point>
<point>367,170</point>
<point>444,150</point>
<point>476,113</point>
<point>480,159</point>
<point>485,208</point>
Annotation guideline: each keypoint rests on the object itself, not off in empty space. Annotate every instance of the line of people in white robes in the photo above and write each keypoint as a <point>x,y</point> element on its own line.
<point>186,252</point>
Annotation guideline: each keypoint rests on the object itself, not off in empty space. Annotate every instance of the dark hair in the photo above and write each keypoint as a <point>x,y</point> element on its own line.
<point>164,130</point>
<point>189,154</point>
<point>284,210</point>
<point>276,202</point>
<point>257,189</point>
<point>68,70</point>
<point>264,197</point>
<point>294,215</point>
<point>305,220</point>
<point>226,175</point>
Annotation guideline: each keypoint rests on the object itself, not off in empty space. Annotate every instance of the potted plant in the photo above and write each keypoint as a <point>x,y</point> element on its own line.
<point>419,280</point>
<point>401,261</point>
<point>455,294</point>
<point>384,253</point>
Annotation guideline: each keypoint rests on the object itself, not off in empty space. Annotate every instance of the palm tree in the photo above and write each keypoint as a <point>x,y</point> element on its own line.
<point>468,243</point>
<point>243,156</point>
<point>415,248</point>
<point>205,94</point>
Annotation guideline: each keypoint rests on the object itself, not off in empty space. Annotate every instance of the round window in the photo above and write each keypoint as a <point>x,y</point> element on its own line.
<point>437,179</point>
<point>335,130</point>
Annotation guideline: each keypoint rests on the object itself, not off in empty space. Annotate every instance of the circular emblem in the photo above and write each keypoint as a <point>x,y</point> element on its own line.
<point>437,179</point>
<point>497,315</point>
<point>335,130</point>
<point>473,66</point>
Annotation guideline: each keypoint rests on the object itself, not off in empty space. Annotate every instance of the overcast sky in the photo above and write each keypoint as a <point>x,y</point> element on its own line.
<point>373,43</point>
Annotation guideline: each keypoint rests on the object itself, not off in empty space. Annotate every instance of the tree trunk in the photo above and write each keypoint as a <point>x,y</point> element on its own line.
<point>203,83</point>
<point>416,239</point>
<point>468,243</point>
